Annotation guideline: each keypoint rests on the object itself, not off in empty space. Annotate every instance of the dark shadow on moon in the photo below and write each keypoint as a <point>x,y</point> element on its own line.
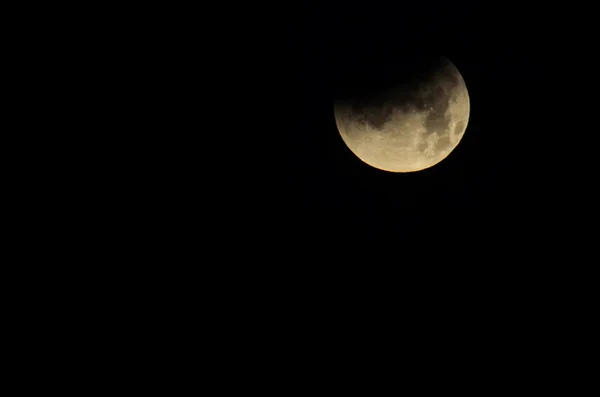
<point>422,85</point>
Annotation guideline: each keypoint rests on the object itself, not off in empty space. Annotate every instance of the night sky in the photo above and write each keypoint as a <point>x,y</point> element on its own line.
<point>506,188</point>
<point>330,194</point>
<point>233,205</point>
<point>267,194</point>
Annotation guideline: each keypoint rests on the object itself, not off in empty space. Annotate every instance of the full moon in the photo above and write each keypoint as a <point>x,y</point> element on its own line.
<point>411,121</point>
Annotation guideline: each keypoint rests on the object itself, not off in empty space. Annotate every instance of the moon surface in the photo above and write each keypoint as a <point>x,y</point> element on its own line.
<point>407,124</point>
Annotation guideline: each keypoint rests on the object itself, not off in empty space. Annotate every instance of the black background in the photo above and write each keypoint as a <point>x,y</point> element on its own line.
<point>221,179</point>
<point>230,190</point>
<point>267,155</point>
<point>498,190</point>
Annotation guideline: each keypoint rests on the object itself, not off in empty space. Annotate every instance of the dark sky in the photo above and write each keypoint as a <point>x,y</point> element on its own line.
<point>508,185</point>
<point>476,193</point>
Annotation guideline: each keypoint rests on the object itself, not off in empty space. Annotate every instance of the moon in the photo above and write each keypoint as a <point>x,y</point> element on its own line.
<point>408,123</point>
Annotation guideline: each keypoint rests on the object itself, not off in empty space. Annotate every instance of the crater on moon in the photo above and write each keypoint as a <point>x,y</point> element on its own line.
<point>408,122</point>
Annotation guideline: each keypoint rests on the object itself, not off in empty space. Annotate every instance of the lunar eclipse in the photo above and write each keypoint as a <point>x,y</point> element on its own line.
<point>409,121</point>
